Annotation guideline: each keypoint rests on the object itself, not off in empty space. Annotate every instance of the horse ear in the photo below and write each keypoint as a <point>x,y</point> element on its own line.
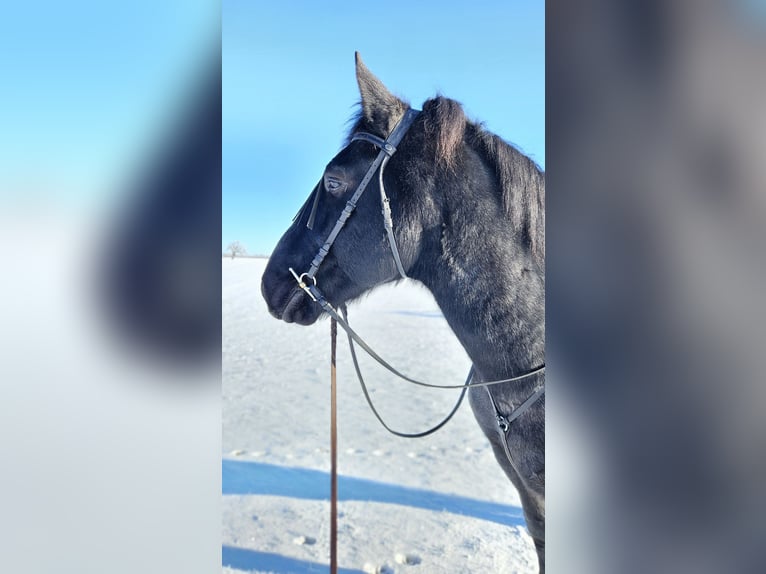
<point>380,108</point>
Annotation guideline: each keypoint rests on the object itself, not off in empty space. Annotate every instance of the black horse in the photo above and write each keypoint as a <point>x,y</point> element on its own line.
<point>469,224</point>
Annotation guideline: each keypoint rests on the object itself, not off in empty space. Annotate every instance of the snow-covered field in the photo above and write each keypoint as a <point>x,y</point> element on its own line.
<point>435,504</point>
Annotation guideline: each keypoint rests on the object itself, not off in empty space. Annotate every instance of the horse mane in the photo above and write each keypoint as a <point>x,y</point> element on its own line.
<point>523,187</point>
<point>522,182</point>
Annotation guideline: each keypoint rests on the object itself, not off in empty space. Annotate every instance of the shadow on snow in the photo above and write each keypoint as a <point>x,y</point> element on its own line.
<point>426,314</point>
<point>246,477</point>
<point>242,559</point>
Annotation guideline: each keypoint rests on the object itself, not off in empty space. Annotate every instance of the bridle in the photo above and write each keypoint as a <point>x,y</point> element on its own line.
<point>308,283</point>
<point>387,149</point>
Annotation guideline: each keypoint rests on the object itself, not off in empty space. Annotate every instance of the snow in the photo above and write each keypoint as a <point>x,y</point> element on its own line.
<point>434,504</point>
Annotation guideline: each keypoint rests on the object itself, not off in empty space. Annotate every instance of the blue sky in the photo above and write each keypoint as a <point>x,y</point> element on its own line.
<point>289,88</point>
<point>90,87</point>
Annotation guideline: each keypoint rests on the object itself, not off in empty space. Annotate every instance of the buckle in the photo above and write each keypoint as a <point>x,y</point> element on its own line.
<point>302,284</point>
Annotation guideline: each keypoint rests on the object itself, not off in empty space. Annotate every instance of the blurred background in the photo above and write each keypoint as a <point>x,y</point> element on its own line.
<point>655,240</point>
<point>112,225</point>
<point>110,286</point>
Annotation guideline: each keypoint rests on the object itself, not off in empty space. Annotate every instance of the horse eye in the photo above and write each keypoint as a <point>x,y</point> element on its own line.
<point>334,186</point>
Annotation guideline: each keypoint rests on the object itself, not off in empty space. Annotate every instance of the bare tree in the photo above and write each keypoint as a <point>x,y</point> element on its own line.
<point>236,248</point>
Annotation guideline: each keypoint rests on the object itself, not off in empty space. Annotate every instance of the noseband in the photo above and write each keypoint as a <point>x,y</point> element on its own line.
<point>308,283</point>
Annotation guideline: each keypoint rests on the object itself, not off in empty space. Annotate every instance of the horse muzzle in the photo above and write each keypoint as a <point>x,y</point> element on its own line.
<point>288,303</point>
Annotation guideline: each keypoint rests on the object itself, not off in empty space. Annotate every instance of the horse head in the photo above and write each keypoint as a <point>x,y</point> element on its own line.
<point>360,256</point>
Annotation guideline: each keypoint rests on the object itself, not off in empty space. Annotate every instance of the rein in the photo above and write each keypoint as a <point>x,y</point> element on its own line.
<point>333,453</point>
<point>308,283</point>
<point>359,376</point>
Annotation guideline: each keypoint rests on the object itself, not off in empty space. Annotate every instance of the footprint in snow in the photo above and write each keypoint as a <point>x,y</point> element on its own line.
<point>410,559</point>
<point>304,540</point>
<point>369,568</point>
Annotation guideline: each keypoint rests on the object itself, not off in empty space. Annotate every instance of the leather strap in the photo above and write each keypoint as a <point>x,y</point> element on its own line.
<point>387,149</point>
<point>313,214</point>
<point>388,222</point>
<point>312,199</point>
<point>333,453</point>
<point>504,422</point>
<point>345,214</point>
<point>374,140</point>
<point>358,370</point>
<point>316,295</point>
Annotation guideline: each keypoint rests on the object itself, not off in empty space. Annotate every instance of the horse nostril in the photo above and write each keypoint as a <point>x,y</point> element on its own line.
<point>277,292</point>
<point>266,293</point>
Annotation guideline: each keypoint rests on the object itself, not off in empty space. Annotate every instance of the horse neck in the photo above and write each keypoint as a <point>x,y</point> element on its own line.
<point>490,290</point>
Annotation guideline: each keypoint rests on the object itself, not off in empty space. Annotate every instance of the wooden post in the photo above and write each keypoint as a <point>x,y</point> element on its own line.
<point>333,454</point>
